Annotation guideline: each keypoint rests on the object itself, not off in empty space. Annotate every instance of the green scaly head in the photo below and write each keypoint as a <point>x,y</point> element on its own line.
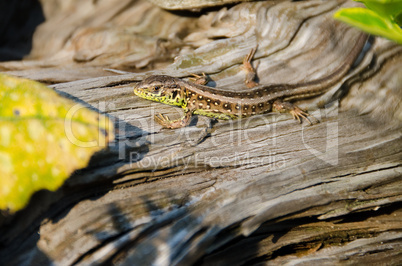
<point>162,89</point>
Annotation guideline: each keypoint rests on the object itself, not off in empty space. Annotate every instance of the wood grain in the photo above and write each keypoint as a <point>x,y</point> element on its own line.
<point>262,190</point>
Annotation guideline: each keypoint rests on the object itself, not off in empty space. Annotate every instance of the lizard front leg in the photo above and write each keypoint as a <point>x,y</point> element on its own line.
<point>201,80</point>
<point>165,122</point>
<point>249,69</point>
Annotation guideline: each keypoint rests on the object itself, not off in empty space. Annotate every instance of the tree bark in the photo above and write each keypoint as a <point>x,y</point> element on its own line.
<point>262,190</point>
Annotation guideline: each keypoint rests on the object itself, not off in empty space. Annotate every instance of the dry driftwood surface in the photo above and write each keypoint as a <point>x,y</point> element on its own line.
<point>263,190</point>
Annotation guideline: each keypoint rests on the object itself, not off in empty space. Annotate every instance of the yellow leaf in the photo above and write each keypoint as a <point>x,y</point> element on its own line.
<point>43,139</point>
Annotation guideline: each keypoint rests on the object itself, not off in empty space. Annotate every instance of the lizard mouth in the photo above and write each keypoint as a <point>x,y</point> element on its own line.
<point>148,95</point>
<point>142,93</point>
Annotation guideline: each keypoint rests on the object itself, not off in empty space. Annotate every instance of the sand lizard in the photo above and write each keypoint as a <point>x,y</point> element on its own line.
<point>195,98</point>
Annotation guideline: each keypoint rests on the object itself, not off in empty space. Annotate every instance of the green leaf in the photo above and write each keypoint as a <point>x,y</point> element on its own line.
<point>43,139</point>
<point>369,21</point>
<point>385,8</point>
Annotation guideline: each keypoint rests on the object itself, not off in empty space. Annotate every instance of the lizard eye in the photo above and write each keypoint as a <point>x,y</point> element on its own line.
<point>156,88</point>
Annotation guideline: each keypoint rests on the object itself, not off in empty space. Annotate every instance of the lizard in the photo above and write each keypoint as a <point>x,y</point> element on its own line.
<point>197,99</point>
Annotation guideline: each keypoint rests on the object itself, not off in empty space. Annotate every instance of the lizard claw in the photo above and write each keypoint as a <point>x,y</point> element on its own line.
<point>294,110</point>
<point>298,113</point>
<point>201,80</point>
<point>249,69</point>
<point>165,122</point>
<point>162,120</point>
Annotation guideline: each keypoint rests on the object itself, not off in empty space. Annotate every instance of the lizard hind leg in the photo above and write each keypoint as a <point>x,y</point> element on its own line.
<point>294,110</point>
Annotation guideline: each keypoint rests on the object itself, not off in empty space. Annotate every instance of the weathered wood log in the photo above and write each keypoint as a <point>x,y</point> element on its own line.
<point>258,190</point>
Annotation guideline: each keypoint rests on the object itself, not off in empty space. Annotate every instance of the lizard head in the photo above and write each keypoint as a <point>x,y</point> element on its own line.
<point>160,88</point>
